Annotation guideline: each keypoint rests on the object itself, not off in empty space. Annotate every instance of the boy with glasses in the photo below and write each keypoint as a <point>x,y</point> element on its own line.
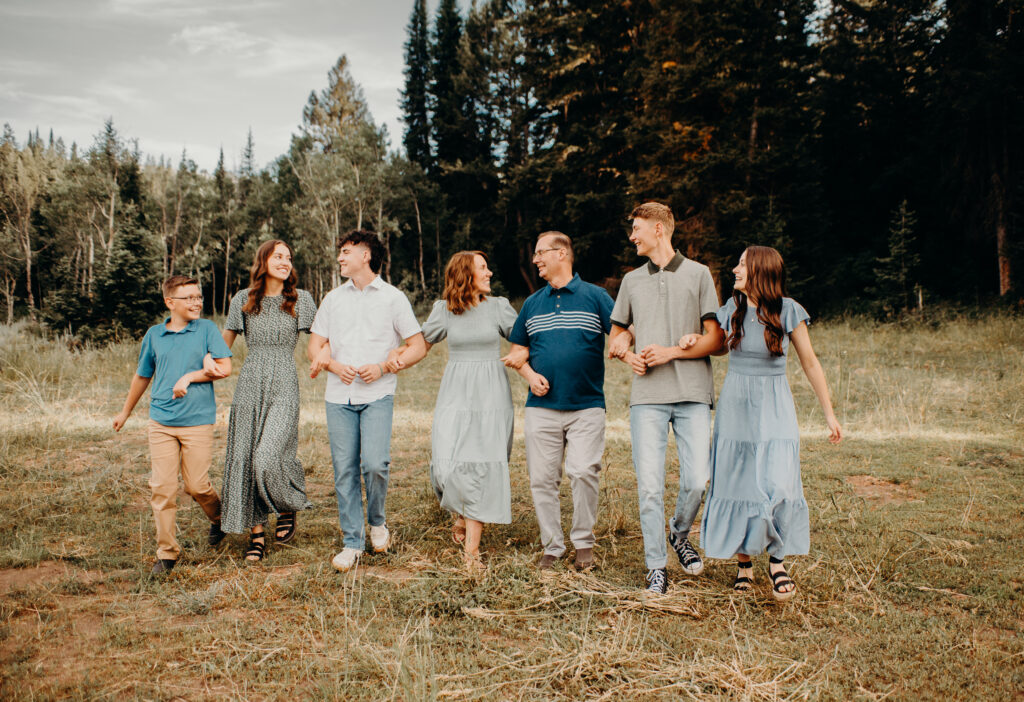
<point>182,411</point>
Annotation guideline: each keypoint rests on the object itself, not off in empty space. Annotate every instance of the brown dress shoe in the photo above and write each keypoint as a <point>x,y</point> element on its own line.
<point>546,562</point>
<point>584,558</point>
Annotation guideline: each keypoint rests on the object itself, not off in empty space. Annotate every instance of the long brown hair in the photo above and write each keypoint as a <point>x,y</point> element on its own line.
<point>258,280</point>
<point>766,280</point>
<point>459,290</point>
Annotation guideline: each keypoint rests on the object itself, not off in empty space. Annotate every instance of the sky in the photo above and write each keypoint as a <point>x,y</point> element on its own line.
<point>193,74</point>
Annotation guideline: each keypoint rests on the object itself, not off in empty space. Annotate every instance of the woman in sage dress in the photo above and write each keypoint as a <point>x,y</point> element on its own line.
<point>756,500</point>
<point>471,438</point>
<point>262,473</point>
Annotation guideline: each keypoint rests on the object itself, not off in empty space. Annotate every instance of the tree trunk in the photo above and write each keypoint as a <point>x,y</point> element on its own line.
<point>92,263</point>
<point>387,240</point>
<point>1002,247</point>
<point>9,282</point>
<point>752,143</point>
<point>227,271</point>
<point>437,243</point>
<point>419,237</point>
<point>26,245</point>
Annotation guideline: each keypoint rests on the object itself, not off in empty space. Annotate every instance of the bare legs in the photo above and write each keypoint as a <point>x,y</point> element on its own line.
<point>474,530</point>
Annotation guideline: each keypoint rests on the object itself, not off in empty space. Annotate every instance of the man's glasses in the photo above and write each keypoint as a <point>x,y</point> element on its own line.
<point>540,252</point>
<point>189,298</point>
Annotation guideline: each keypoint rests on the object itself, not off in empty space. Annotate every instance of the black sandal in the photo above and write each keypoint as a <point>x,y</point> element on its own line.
<point>284,530</point>
<point>256,548</point>
<point>742,582</point>
<point>780,579</point>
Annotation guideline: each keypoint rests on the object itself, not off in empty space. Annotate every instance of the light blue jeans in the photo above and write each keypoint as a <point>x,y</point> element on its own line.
<point>648,427</point>
<point>360,437</point>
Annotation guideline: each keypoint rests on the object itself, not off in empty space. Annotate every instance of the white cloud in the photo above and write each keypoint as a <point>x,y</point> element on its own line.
<point>219,38</point>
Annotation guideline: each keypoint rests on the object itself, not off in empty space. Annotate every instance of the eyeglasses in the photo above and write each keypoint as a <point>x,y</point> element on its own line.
<point>189,298</point>
<point>540,252</point>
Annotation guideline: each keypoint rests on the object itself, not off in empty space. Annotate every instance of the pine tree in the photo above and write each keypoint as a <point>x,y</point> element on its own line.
<point>414,97</point>
<point>445,101</point>
<point>128,296</point>
<point>895,273</point>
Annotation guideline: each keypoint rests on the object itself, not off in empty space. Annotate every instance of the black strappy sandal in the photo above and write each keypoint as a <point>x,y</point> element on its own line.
<point>742,582</point>
<point>780,579</point>
<point>256,548</point>
<point>284,530</point>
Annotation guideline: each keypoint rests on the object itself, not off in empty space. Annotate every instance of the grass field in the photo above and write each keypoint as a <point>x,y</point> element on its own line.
<point>914,588</point>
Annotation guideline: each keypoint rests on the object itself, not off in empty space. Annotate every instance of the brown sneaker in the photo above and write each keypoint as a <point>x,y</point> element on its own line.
<point>546,562</point>
<point>584,559</point>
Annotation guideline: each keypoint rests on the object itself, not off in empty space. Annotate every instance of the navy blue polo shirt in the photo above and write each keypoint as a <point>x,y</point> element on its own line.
<point>167,355</point>
<point>564,329</point>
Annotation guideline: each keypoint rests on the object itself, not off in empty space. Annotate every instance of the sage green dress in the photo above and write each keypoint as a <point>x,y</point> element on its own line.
<point>471,439</point>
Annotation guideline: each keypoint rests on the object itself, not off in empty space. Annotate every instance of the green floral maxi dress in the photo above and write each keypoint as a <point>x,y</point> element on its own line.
<point>262,472</point>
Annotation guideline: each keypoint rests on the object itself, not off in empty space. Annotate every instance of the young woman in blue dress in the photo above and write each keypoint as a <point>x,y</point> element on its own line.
<point>756,502</point>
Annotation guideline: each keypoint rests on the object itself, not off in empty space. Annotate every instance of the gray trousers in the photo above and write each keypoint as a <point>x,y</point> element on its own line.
<point>577,436</point>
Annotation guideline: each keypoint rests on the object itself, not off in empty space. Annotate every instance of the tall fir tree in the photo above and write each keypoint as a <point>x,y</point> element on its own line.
<point>416,138</point>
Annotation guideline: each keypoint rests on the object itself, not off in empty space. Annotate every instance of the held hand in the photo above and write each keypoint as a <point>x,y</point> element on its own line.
<point>688,341</point>
<point>655,355</point>
<point>322,361</point>
<point>619,346</point>
<point>636,361</point>
<point>181,387</point>
<point>835,432</point>
<point>119,421</point>
<point>346,372</point>
<point>394,362</point>
<point>370,372</point>
<point>515,359</point>
<point>539,385</point>
<point>211,368</point>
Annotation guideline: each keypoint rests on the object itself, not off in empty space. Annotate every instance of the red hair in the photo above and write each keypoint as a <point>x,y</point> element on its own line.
<point>258,280</point>
<point>766,282</point>
<point>460,291</point>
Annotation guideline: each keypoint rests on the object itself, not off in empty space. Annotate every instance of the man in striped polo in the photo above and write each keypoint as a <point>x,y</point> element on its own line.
<point>561,329</point>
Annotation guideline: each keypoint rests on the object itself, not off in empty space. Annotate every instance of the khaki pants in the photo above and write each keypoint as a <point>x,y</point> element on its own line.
<point>577,438</point>
<point>188,450</point>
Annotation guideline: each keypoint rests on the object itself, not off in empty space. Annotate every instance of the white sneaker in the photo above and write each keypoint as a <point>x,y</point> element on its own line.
<point>380,538</point>
<point>346,559</point>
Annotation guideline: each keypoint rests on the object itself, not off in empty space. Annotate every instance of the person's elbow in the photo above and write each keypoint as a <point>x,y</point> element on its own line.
<point>224,366</point>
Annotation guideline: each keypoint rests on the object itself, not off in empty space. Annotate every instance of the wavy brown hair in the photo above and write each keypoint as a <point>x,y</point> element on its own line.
<point>766,282</point>
<point>258,280</point>
<point>459,291</point>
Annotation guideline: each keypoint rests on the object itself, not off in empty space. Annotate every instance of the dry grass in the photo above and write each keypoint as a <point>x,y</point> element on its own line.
<point>912,590</point>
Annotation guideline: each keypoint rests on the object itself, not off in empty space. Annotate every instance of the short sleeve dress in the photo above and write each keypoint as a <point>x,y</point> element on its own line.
<point>756,499</point>
<point>471,439</point>
<point>262,472</point>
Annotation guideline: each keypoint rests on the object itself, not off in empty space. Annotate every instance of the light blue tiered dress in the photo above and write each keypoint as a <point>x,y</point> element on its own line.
<point>471,439</point>
<point>756,500</point>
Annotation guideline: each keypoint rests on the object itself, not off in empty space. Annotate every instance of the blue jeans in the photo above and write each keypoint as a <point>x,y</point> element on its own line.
<point>648,427</point>
<point>360,437</point>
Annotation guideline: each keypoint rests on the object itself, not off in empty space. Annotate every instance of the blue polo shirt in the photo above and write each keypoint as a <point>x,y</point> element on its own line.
<point>565,329</point>
<point>165,356</point>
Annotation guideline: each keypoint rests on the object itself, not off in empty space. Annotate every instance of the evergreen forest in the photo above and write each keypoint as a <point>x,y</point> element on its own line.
<point>876,143</point>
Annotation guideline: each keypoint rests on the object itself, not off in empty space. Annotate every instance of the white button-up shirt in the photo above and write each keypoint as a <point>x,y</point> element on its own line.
<point>362,326</point>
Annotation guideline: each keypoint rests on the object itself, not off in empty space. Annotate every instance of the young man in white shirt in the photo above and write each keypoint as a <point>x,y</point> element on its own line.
<point>357,324</point>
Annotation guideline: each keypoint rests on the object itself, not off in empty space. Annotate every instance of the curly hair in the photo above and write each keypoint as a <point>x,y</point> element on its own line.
<point>766,282</point>
<point>459,290</point>
<point>258,280</point>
